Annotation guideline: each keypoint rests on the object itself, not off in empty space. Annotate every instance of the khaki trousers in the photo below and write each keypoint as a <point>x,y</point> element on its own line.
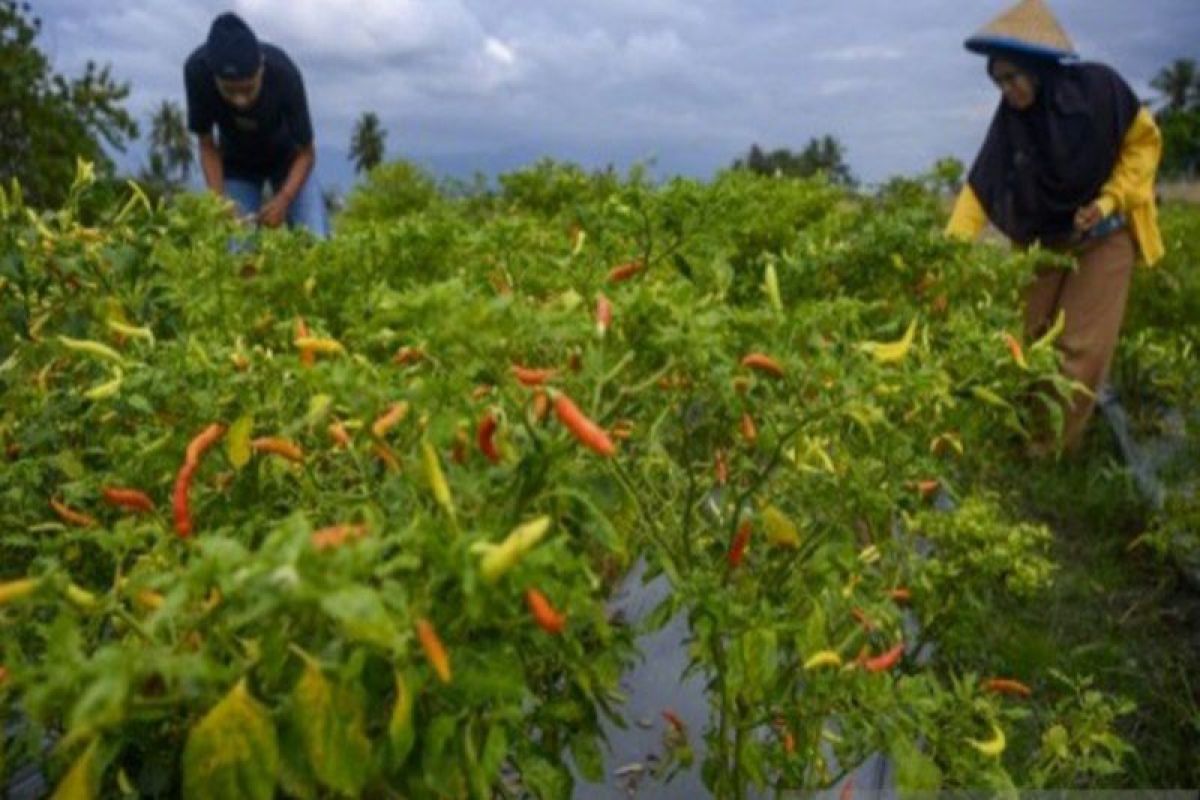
<point>1093,298</point>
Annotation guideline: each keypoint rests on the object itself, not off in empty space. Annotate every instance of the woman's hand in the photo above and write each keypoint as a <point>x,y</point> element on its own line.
<point>1088,217</point>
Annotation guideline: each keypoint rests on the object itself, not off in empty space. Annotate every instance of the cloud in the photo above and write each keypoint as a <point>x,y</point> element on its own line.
<point>862,52</point>
<point>487,84</point>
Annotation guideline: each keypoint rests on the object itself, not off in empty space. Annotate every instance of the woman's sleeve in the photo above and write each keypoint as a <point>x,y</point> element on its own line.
<point>968,218</point>
<point>1132,181</point>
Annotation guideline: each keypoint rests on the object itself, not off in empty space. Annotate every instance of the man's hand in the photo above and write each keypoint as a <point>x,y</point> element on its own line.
<point>274,213</point>
<point>1088,217</point>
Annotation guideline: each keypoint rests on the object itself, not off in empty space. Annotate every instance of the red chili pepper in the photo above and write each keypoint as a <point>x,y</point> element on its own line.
<point>484,437</point>
<point>435,651</point>
<point>847,792</point>
<point>749,429</point>
<point>458,451</point>
<point>741,539</point>
<point>1007,686</point>
<point>625,271</point>
<point>71,516</point>
<point>278,447</point>
<point>179,499</point>
<point>544,614</point>
<point>886,661</point>
<point>409,355</point>
<point>131,499</point>
<point>528,376</point>
<point>900,594</point>
<point>862,618</point>
<point>183,481</point>
<point>671,717</point>
<point>604,313</point>
<point>587,432</point>
<point>763,363</point>
<point>721,468</point>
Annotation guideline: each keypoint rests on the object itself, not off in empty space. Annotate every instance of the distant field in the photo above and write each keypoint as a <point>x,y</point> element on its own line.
<point>1187,191</point>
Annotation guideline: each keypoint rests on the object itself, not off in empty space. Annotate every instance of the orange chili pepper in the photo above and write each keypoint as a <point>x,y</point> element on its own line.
<point>276,446</point>
<point>389,419</point>
<point>749,429</point>
<point>131,499</point>
<point>587,432</point>
<point>435,651</point>
<point>544,614</point>
<point>886,661</point>
<point>339,434</point>
<point>763,363</point>
<point>409,355</point>
<point>1007,686</point>
<point>71,516</point>
<point>529,376</point>
<point>337,535</point>
<point>624,272</point>
<point>307,356</point>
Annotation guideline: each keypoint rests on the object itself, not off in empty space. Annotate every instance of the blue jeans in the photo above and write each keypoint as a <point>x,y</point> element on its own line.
<point>306,211</point>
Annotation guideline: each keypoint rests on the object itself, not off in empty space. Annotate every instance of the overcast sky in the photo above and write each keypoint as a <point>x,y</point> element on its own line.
<point>464,85</point>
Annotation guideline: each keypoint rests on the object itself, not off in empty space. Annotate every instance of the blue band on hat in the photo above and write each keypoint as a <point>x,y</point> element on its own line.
<point>998,45</point>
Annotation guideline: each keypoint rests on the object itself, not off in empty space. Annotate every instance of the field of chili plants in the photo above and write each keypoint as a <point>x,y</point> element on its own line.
<point>345,518</point>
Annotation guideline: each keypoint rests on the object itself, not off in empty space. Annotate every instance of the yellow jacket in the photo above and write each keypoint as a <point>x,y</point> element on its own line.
<point>1129,190</point>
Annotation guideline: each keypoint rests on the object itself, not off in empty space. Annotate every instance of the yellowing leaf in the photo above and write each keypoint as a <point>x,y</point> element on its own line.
<point>330,721</point>
<point>232,752</point>
<point>401,734</point>
<point>889,352</point>
<point>82,782</point>
<point>237,441</point>
<point>780,530</point>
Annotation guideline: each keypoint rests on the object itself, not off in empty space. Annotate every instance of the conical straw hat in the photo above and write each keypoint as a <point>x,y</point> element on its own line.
<point>1028,28</point>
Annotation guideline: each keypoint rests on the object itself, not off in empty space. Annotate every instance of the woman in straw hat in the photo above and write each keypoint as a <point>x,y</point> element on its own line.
<point>1068,164</point>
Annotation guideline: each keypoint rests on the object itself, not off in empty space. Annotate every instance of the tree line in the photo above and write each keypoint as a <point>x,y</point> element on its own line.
<point>47,120</point>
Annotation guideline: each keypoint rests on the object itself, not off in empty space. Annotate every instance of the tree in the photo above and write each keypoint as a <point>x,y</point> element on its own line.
<point>171,157</point>
<point>1179,85</point>
<point>367,142</point>
<point>1179,117</point>
<point>47,120</point>
<point>824,155</point>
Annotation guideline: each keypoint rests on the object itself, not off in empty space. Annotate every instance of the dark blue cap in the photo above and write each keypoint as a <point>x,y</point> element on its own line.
<point>233,52</point>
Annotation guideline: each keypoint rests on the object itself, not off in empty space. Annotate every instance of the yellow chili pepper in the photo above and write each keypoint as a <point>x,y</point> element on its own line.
<point>436,478</point>
<point>323,346</point>
<point>500,558</point>
<point>991,747</point>
<point>89,347</point>
<point>132,331</point>
<point>17,590</point>
<point>825,658</point>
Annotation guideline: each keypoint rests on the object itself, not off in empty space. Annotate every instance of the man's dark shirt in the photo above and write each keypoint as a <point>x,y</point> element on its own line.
<point>261,142</point>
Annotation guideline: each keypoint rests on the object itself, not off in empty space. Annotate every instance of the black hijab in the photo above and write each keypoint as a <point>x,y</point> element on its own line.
<point>1040,165</point>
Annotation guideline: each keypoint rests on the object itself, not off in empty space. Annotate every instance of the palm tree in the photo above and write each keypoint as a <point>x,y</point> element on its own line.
<point>1179,84</point>
<point>366,143</point>
<point>170,140</point>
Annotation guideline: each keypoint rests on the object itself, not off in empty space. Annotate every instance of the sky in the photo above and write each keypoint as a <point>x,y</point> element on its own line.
<point>491,85</point>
